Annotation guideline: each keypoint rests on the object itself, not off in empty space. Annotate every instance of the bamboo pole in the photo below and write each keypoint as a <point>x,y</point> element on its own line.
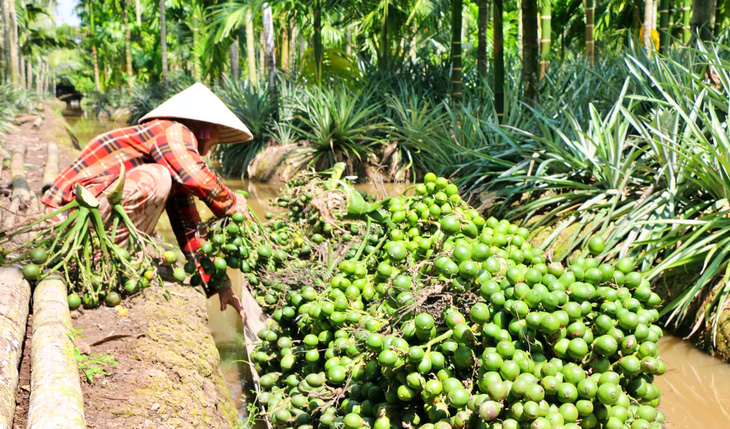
<point>51,171</point>
<point>56,400</point>
<point>14,303</point>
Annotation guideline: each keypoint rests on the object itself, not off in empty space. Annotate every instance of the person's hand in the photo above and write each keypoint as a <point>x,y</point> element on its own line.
<point>228,297</point>
<point>240,206</point>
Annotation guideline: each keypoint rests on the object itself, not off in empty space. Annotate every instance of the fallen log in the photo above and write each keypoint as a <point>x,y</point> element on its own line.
<point>14,305</point>
<point>51,170</point>
<point>3,156</point>
<point>23,198</point>
<point>56,400</point>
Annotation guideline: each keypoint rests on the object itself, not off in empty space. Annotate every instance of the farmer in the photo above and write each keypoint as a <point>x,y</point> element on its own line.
<point>164,167</point>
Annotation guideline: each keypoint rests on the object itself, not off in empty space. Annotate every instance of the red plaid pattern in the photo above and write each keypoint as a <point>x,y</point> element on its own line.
<point>164,142</point>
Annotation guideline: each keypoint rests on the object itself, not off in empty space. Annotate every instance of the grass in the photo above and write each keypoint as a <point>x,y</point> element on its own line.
<point>14,101</point>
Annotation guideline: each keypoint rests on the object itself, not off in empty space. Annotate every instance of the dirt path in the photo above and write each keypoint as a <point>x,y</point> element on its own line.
<point>167,373</point>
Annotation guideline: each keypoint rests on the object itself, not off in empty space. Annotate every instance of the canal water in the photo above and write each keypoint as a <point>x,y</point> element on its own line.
<point>695,389</point>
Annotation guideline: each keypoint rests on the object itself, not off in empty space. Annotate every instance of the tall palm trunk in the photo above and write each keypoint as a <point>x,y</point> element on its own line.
<point>498,50</point>
<point>664,34</point>
<point>284,63</point>
<point>127,45</point>
<point>530,53</point>
<point>719,18</point>
<point>39,79</point>
<point>235,61</point>
<point>95,57</point>
<point>649,10</point>
<point>262,53</point>
<point>686,20</point>
<point>701,22</point>
<point>348,40</point>
<point>456,8</point>
<point>293,54</point>
<point>590,43</point>
<point>21,71</point>
<point>482,25</point>
<point>384,42</point>
<point>4,46</point>
<point>195,22</point>
<point>12,42</point>
<point>250,49</point>
<point>29,75</point>
<point>545,35</point>
<point>269,46</point>
<point>317,39</point>
<point>163,45</point>
<point>138,11</point>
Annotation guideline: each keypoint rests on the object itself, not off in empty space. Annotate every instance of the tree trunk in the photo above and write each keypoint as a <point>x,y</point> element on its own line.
<point>701,22</point>
<point>268,22</point>
<point>21,72</point>
<point>384,61</point>
<point>95,58</point>
<point>482,25</point>
<point>56,399</point>
<point>686,20</point>
<point>138,12</point>
<point>284,63</point>
<point>590,44</point>
<point>545,36</point>
<point>235,66</point>
<point>262,53</point>
<point>456,15</point>
<point>5,33</point>
<point>664,33</point>
<point>39,79</point>
<point>649,8</point>
<point>14,306</point>
<point>719,18</point>
<point>293,59</point>
<point>127,45</point>
<point>498,38</point>
<point>250,49</point>
<point>29,75</point>
<point>13,43</point>
<point>163,46</point>
<point>348,40</point>
<point>530,54</point>
<point>317,39</point>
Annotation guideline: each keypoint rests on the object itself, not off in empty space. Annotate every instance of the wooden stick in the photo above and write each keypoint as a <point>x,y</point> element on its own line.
<point>56,400</point>
<point>51,171</point>
<point>14,305</point>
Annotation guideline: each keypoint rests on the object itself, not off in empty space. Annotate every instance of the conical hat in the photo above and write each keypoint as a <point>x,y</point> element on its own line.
<point>200,104</point>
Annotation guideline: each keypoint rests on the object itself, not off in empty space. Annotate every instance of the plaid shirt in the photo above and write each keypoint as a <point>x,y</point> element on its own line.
<point>164,142</point>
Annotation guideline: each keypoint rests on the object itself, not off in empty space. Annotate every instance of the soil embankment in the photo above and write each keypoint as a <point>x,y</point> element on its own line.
<point>167,372</point>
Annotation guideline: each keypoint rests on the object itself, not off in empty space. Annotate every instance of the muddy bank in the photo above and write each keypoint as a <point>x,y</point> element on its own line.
<point>167,373</point>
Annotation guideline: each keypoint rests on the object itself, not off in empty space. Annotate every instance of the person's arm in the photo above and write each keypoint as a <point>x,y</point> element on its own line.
<point>187,226</point>
<point>177,151</point>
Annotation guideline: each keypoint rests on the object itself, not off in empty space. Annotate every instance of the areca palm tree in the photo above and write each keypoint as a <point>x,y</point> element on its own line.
<point>530,58</point>
<point>163,45</point>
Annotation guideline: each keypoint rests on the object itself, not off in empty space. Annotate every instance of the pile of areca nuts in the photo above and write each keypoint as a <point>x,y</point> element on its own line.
<point>416,311</point>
